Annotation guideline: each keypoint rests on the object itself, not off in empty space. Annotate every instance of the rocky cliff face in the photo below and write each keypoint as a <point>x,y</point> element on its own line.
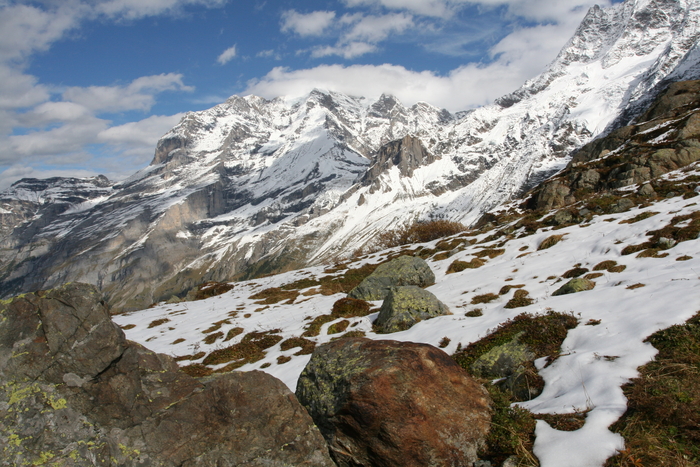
<point>253,186</point>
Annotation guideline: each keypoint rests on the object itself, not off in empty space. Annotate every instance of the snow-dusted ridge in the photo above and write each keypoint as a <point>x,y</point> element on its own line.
<point>253,186</point>
<point>596,360</point>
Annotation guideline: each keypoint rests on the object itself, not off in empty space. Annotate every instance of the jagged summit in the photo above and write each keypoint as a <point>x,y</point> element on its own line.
<point>253,186</point>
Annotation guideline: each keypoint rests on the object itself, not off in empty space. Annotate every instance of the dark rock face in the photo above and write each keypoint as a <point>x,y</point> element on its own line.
<point>74,391</point>
<point>407,305</point>
<point>404,270</point>
<point>407,154</point>
<point>666,139</point>
<point>388,403</point>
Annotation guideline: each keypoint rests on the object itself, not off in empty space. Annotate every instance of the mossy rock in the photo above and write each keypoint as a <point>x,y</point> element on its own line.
<point>401,271</point>
<point>407,305</point>
<point>575,285</point>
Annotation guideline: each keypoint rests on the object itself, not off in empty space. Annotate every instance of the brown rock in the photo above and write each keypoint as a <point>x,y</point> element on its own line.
<point>388,403</point>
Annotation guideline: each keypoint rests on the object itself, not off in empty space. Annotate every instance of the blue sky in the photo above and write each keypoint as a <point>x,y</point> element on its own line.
<point>88,86</point>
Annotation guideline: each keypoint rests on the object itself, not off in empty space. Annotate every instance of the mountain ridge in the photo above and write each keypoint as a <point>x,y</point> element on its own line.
<point>254,186</point>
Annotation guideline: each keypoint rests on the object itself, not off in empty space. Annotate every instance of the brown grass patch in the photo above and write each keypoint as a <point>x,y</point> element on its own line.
<point>350,307</point>
<point>216,326</point>
<point>209,289</point>
<point>593,275</point>
<point>444,342</point>
<point>639,217</point>
<point>575,272</point>
<point>177,341</point>
<point>158,322</point>
<point>680,258</point>
<point>196,370</point>
<point>337,328</point>
<point>419,232</point>
<point>211,338</point>
<point>629,249</point>
<point>520,299</point>
<point>233,333</point>
<point>275,295</point>
<point>282,359</point>
<point>249,350</point>
<point>307,346</point>
<point>196,356</point>
<point>490,252</point>
<point>126,327</point>
<point>458,266</point>
<point>506,288</point>
<point>484,298</point>
<point>550,241</point>
<point>635,286</point>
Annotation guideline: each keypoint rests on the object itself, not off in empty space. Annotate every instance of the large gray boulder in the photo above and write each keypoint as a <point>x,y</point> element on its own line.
<point>75,392</point>
<point>394,404</point>
<point>405,306</point>
<point>404,270</point>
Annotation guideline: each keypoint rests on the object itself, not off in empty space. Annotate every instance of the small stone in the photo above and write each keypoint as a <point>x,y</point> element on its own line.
<point>666,243</point>
<point>647,190</point>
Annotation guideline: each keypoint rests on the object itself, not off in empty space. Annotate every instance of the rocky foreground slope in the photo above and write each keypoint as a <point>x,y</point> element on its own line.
<point>254,186</point>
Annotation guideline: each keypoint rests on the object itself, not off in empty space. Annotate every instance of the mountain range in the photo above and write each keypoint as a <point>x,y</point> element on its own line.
<point>254,186</point>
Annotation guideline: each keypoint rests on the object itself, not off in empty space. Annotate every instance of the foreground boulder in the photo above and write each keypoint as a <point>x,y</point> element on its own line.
<point>405,306</point>
<point>389,403</point>
<point>75,392</point>
<point>404,270</point>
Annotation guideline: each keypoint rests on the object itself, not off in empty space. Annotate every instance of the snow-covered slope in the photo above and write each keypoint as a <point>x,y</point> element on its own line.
<point>255,186</point>
<point>644,294</point>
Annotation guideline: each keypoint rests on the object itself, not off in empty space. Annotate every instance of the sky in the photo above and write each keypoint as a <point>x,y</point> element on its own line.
<point>88,87</point>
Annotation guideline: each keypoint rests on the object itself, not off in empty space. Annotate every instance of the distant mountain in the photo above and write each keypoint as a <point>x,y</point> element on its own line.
<point>255,186</point>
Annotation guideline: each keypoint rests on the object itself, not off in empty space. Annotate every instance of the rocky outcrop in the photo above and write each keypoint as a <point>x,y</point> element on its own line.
<point>407,154</point>
<point>388,403</point>
<point>667,138</point>
<point>75,392</point>
<point>404,270</point>
<point>405,306</point>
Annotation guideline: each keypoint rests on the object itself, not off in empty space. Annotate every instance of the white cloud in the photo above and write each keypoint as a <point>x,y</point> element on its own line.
<point>227,55</point>
<point>135,9</point>
<point>518,57</point>
<point>139,95</point>
<point>310,24</point>
<point>434,8</point>
<point>377,28</point>
<point>143,134</point>
<point>347,51</point>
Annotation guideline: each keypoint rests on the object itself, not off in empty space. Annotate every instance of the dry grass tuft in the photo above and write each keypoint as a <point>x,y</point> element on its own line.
<point>550,241</point>
<point>158,322</point>
<point>520,299</point>
<point>419,232</point>
<point>484,298</point>
<point>458,266</point>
